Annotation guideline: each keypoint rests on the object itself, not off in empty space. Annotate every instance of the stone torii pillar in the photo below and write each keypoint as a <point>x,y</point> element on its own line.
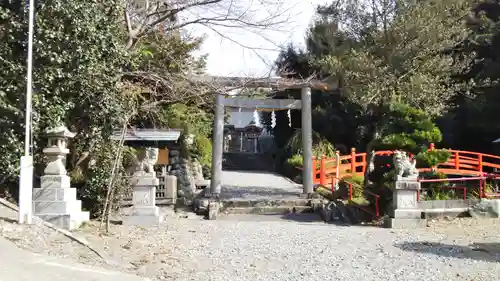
<point>307,177</point>
<point>217,146</point>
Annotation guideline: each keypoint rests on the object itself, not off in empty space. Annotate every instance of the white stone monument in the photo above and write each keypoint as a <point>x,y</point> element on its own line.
<point>144,182</point>
<point>55,201</point>
<point>405,212</point>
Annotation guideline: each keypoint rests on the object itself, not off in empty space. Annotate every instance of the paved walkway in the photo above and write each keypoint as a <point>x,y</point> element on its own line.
<point>20,265</point>
<point>257,185</point>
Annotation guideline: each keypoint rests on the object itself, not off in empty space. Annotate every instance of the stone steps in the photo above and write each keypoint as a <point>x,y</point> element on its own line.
<point>270,210</point>
<point>247,162</point>
<point>270,206</point>
<point>269,203</point>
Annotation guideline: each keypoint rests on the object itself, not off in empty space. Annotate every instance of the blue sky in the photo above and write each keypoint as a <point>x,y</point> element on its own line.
<point>238,52</point>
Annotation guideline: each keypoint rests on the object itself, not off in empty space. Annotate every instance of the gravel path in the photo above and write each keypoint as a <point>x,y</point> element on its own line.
<point>269,248</point>
<point>272,248</point>
<point>253,186</point>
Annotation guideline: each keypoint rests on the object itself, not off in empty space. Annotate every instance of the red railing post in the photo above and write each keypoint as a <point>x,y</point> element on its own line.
<point>481,188</point>
<point>364,163</point>
<point>377,211</point>
<point>314,172</point>
<point>353,161</point>
<point>322,170</point>
<point>457,161</point>
<point>480,160</point>
<point>465,193</point>
<point>350,191</point>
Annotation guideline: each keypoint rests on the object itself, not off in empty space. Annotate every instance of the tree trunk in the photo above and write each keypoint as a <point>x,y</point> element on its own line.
<point>370,155</point>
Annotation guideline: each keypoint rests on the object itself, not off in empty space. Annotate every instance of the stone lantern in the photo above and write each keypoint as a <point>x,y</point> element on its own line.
<point>55,201</point>
<point>56,150</point>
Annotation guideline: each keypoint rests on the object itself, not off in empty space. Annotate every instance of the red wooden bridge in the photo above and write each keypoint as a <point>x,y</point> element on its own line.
<point>461,166</point>
<point>465,163</point>
<point>469,165</point>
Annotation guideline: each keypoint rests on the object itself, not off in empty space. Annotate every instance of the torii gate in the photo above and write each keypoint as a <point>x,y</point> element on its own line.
<point>282,104</point>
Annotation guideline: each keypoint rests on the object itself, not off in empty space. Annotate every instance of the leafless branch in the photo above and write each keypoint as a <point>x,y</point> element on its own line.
<point>144,16</point>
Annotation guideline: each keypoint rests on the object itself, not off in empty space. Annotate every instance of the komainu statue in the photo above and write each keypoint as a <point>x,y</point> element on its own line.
<point>145,160</point>
<point>404,166</point>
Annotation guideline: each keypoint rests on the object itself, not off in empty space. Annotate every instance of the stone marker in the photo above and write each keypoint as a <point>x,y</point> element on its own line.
<point>144,182</point>
<point>171,188</point>
<point>55,201</point>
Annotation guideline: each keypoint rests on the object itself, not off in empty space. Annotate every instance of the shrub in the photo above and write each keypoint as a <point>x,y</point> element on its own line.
<point>432,158</point>
<point>435,190</point>
<point>357,183</point>
<point>202,150</point>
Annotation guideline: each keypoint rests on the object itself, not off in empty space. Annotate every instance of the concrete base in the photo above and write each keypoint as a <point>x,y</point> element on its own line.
<point>445,213</point>
<point>143,221</point>
<point>144,216</point>
<point>55,202</point>
<point>212,208</point>
<point>404,223</point>
<point>67,221</point>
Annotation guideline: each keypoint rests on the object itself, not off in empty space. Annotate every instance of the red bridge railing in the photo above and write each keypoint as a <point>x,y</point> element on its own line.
<point>465,163</point>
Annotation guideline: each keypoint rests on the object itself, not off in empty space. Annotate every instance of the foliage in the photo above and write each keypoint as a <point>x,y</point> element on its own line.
<point>88,78</point>
<point>405,62</point>
<point>94,186</point>
<point>320,145</point>
<point>296,160</point>
<point>322,148</point>
<point>394,68</point>
<point>409,129</point>
<point>357,183</point>
<point>202,150</point>
<point>473,122</point>
<point>432,158</point>
<point>435,190</point>
<point>77,65</point>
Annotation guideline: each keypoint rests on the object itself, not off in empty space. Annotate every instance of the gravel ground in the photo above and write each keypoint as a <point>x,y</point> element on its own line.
<point>271,248</point>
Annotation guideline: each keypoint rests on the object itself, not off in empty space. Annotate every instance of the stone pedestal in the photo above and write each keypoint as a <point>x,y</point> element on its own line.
<point>55,201</point>
<point>144,211</point>
<point>405,212</point>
